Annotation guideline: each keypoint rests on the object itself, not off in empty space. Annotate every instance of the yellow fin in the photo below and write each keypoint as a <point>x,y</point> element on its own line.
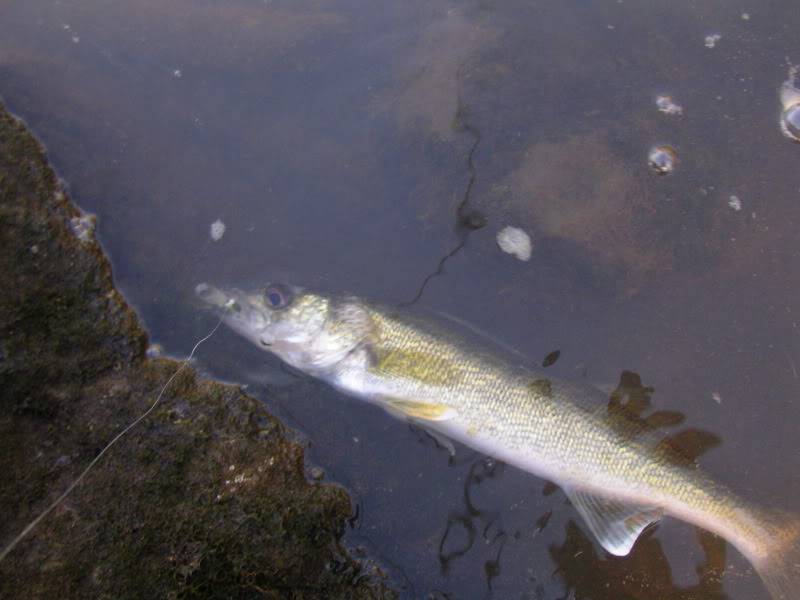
<point>426,411</point>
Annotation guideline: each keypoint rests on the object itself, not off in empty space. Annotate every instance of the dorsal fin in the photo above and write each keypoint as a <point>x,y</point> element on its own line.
<point>615,525</point>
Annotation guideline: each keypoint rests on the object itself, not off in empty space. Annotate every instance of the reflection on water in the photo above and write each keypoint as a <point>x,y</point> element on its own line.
<point>380,148</point>
<point>644,575</point>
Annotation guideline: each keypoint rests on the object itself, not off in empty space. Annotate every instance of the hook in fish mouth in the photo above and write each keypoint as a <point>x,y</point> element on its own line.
<point>216,298</point>
<point>211,295</point>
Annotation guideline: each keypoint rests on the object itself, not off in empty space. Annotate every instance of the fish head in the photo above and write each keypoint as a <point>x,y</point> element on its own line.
<point>309,331</point>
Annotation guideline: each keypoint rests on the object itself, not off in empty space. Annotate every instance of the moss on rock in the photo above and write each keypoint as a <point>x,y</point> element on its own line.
<point>207,498</point>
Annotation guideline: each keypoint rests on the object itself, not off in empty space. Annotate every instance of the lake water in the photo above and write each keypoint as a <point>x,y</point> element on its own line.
<point>353,146</point>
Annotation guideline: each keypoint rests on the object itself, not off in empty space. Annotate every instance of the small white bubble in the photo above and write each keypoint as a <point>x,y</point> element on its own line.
<point>515,241</point>
<point>662,159</point>
<point>75,39</point>
<point>745,16</point>
<point>790,122</point>
<point>65,27</point>
<point>716,397</point>
<point>217,230</point>
<point>666,105</point>
<point>177,73</point>
<point>711,40</point>
<point>34,249</point>
<point>790,106</point>
<point>735,203</point>
<point>83,227</point>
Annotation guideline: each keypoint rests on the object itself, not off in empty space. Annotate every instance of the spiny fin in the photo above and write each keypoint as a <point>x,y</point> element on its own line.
<point>616,526</point>
<point>424,411</point>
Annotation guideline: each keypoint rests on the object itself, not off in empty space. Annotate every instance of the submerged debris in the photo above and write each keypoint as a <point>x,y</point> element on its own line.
<point>735,203</point>
<point>217,230</point>
<point>513,240</point>
<point>711,40</point>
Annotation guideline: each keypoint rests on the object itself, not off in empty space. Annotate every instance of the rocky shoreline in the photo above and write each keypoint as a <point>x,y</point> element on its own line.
<point>207,498</point>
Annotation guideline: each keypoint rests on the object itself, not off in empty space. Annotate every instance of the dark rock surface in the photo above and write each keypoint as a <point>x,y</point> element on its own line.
<point>206,498</point>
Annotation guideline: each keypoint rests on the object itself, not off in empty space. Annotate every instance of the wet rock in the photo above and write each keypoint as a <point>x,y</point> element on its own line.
<point>162,515</point>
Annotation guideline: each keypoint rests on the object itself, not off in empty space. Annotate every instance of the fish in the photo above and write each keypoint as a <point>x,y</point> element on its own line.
<point>620,479</point>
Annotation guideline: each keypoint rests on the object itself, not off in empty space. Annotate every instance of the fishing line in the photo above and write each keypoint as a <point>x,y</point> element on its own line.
<point>116,438</point>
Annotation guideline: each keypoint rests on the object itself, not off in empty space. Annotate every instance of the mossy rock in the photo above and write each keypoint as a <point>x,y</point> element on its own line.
<point>206,498</point>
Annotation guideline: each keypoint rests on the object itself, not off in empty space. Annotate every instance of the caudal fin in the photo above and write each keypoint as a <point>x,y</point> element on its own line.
<point>779,567</point>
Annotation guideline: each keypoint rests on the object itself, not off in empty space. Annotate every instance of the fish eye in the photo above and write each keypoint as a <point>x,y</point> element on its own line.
<point>277,296</point>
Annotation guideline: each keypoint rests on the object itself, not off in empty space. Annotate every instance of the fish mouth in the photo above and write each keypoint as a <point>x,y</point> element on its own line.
<point>213,296</point>
<point>233,305</point>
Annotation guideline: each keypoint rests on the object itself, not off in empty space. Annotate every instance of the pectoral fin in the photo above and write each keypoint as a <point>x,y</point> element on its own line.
<point>424,411</point>
<point>616,526</point>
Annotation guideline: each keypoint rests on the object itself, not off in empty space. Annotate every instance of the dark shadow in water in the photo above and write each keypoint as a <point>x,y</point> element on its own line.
<point>463,527</point>
<point>551,358</point>
<point>467,221</point>
<point>627,406</point>
<point>645,574</point>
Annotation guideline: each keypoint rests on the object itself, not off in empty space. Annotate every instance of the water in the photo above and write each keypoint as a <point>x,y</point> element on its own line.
<point>352,146</point>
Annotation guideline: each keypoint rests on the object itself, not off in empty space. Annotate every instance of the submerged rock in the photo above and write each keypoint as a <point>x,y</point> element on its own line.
<point>205,498</point>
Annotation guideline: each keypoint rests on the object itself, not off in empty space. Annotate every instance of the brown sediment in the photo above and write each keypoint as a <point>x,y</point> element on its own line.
<point>578,190</point>
<point>427,94</point>
<point>206,498</point>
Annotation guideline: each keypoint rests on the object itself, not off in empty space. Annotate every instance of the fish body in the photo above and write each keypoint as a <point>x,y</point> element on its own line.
<point>620,479</point>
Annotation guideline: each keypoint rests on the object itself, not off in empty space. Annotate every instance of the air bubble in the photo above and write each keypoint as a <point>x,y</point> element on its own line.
<point>516,242</point>
<point>790,122</point>
<point>790,107</point>
<point>217,230</point>
<point>666,105</point>
<point>662,159</point>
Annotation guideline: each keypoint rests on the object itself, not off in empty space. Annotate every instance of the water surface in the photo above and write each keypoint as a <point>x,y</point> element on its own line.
<point>344,145</point>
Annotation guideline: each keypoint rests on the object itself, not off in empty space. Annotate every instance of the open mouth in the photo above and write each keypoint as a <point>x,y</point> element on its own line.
<point>215,297</point>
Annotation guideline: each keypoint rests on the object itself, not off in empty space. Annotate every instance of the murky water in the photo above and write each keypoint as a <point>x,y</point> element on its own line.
<point>351,145</point>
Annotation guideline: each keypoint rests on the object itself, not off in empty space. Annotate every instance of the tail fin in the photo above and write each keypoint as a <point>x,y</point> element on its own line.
<point>779,566</point>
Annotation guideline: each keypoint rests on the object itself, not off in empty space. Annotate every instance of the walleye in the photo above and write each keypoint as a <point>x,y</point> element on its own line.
<point>619,481</point>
